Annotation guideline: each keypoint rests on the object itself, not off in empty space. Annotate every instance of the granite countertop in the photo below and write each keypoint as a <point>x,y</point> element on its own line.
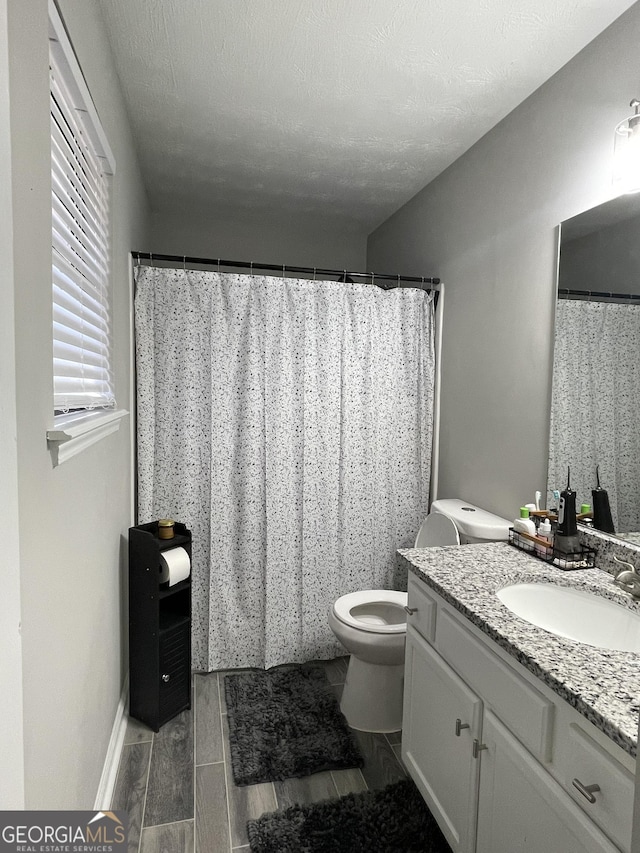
<point>603,685</point>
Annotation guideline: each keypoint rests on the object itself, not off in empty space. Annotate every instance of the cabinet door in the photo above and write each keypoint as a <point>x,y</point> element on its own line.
<point>440,761</point>
<point>521,808</point>
<point>175,671</point>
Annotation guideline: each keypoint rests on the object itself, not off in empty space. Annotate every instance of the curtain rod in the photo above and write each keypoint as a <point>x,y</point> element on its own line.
<point>345,275</point>
<point>597,295</point>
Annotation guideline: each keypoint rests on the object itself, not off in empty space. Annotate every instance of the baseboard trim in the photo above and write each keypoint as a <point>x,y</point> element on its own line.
<point>114,750</point>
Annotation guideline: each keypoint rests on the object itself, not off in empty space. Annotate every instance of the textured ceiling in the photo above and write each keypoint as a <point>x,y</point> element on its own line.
<point>341,108</point>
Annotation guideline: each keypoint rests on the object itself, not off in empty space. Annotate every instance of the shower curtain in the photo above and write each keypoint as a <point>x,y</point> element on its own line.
<point>595,409</point>
<point>288,423</point>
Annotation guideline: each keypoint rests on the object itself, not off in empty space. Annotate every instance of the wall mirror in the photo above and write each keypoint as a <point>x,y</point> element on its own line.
<point>595,407</point>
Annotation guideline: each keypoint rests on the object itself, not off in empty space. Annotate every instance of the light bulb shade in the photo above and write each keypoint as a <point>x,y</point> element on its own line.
<point>626,153</point>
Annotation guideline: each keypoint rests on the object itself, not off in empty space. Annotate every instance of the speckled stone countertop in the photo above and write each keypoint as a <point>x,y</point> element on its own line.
<point>603,685</point>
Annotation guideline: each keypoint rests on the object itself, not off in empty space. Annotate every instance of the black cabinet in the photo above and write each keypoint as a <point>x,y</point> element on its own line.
<point>159,629</point>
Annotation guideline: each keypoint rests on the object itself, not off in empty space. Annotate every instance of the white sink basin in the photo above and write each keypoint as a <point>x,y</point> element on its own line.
<point>576,614</point>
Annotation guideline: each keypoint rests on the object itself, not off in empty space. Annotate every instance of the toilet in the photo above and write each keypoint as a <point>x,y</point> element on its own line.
<point>461,522</point>
<point>372,624</point>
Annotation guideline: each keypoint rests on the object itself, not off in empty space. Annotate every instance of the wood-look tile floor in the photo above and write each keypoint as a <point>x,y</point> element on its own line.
<point>178,788</point>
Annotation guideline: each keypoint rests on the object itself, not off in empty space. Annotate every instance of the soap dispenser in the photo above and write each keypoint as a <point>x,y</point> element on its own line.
<point>566,540</point>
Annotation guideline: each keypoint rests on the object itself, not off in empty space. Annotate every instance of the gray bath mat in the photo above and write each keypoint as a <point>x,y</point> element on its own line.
<point>286,722</point>
<point>393,820</point>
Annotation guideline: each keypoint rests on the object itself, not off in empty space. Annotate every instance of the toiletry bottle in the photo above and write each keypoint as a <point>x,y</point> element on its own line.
<point>524,524</point>
<point>544,532</point>
<point>566,539</point>
<point>534,518</point>
<point>586,516</point>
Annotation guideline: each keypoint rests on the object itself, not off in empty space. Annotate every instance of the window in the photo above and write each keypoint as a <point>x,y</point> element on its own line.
<point>81,170</point>
<point>81,165</point>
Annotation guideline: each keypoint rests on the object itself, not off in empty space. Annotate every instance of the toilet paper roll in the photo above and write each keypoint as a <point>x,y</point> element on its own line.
<point>175,566</point>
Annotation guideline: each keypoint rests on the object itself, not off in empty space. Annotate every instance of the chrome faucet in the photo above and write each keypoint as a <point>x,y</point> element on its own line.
<point>628,579</point>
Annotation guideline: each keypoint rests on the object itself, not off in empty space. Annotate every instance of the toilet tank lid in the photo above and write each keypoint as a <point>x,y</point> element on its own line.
<point>473,520</point>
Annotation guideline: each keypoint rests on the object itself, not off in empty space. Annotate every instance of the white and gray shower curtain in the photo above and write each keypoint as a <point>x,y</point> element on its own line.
<point>595,409</point>
<point>288,423</point>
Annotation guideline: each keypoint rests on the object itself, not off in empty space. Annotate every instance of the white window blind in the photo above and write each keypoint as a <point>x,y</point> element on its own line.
<point>81,165</point>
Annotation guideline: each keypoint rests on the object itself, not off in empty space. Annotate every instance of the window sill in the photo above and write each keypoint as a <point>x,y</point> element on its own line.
<point>75,432</point>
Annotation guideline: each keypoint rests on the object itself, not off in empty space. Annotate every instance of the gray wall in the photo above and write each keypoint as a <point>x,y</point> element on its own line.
<point>488,227</point>
<point>73,518</point>
<point>11,730</point>
<point>604,260</point>
<point>273,239</point>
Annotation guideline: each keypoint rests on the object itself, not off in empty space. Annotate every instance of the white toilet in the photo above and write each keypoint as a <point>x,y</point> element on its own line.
<point>471,524</point>
<point>371,624</point>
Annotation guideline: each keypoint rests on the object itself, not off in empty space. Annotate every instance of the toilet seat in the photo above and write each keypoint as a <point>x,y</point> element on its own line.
<point>437,529</point>
<point>378,611</point>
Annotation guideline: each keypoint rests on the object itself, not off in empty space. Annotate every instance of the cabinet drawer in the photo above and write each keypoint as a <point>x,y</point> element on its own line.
<point>423,619</point>
<point>591,764</point>
<point>525,711</point>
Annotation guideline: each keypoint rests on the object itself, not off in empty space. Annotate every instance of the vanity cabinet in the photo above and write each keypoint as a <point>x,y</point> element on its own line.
<point>493,750</point>
<point>436,743</point>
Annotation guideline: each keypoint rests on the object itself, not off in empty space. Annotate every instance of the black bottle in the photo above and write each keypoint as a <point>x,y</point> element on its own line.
<point>601,510</point>
<point>566,540</point>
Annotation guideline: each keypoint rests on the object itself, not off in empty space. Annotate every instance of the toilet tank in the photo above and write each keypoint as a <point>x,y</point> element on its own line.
<point>474,523</point>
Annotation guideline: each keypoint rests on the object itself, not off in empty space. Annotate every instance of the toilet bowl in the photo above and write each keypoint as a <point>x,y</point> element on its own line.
<point>371,624</point>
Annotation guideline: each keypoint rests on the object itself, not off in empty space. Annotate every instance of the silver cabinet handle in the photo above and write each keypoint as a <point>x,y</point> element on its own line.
<point>477,747</point>
<point>410,610</point>
<point>460,725</point>
<point>587,791</point>
<point>166,677</point>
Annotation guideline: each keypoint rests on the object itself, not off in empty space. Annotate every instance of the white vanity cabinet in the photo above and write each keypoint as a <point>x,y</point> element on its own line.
<point>494,752</point>
<point>436,748</point>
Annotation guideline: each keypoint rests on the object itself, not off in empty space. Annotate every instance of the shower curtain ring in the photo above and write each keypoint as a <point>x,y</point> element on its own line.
<point>283,271</point>
<point>218,266</point>
<point>373,278</point>
<point>314,273</point>
<point>150,258</point>
<point>184,263</point>
<point>251,268</point>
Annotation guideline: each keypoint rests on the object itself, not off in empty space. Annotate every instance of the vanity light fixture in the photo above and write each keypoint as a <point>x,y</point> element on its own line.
<point>626,152</point>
